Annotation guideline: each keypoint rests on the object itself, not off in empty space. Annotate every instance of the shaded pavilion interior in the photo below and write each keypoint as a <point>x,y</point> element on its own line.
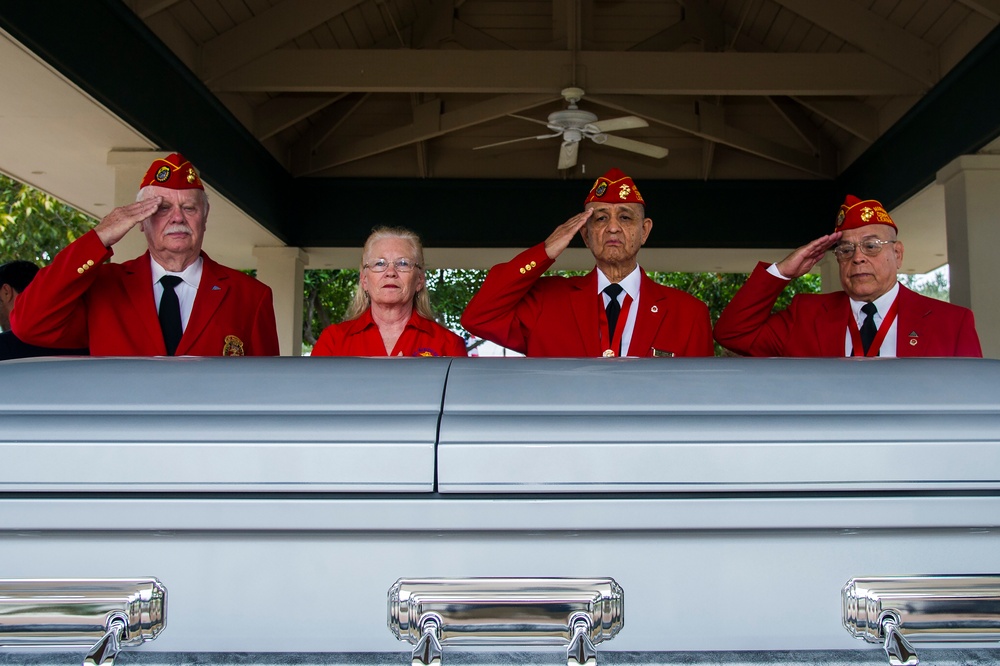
<point>311,121</point>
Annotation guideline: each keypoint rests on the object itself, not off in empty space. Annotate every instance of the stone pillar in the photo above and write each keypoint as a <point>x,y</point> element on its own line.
<point>282,269</point>
<point>972,219</point>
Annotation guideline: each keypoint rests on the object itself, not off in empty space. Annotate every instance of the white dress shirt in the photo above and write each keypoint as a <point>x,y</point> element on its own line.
<point>186,290</point>
<point>630,285</point>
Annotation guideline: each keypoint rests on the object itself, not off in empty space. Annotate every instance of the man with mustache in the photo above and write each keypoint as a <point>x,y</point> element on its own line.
<point>615,310</point>
<point>173,300</point>
<point>873,316</point>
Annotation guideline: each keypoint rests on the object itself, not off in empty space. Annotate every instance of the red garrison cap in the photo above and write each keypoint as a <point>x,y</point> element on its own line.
<point>614,187</point>
<point>173,172</point>
<point>856,213</point>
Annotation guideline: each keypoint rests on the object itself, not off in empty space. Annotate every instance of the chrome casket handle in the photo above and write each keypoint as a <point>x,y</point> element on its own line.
<point>433,613</point>
<point>103,615</point>
<point>900,610</point>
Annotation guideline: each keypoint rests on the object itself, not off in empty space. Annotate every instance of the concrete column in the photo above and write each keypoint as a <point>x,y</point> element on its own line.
<point>282,269</point>
<point>972,219</point>
<point>130,166</point>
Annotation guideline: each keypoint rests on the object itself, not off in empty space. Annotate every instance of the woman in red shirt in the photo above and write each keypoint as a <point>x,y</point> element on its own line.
<point>391,312</point>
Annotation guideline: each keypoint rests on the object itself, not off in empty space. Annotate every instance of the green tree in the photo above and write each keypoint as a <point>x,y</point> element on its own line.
<point>35,226</point>
<point>932,285</point>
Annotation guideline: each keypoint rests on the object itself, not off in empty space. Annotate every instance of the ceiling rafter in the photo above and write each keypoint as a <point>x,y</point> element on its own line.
<point>872,34</point>
<point>988,8</point>
<point>853,117</point>
<point>426,125</point>
<point>707,121</point>
<point>266,32</point>
<point>812,135</point>
<point>316,70</point>
<point>146,8</point>
<point>282,112</point>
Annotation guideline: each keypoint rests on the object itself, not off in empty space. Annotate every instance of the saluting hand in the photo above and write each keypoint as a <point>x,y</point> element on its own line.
<point>560,239</point>
<point>116,224</point>
<point>802,260</point>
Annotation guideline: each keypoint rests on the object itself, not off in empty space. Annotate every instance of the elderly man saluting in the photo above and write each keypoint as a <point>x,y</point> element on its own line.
<point>615,310</point>
<point>873,316</point>
<point>173,300</point>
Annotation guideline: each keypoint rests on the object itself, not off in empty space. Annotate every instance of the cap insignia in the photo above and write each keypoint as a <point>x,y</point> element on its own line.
<point>192,176</point>
<point>163,174</point>
<point>624,191</point>
<point>601,189</point>
<point>840,217</point>
<point>867,214</point>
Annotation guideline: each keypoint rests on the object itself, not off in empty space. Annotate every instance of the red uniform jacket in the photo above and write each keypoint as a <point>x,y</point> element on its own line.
<point>556,316</point>
<point>361,337</point>
<point>79,301</point>
<point>816,324</point>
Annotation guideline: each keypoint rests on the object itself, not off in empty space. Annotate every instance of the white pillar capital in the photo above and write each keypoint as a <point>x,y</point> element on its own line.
<point>966,163</point>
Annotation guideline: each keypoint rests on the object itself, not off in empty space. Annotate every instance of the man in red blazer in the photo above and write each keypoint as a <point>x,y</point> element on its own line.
<point>873,316</point>
<point>615,310</point>
<point>200,308</point>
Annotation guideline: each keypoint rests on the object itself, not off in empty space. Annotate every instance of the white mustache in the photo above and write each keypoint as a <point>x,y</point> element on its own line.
<point>177,229</point>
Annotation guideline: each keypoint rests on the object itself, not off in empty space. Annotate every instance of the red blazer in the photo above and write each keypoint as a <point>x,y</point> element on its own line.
<point>361,337</point>
<point>556,316</point>
<point>816,324</point>
<point>80,301</point>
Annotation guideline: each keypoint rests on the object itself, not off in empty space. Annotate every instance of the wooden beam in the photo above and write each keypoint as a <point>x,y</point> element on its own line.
<point>707,121</point>
<point>872,34</point>
<point>146,8</point>
<point>426,125</point>
<point>797,118</point>
<point>988,8</point>
<point>321,70</point>
<point>280,113</point>
<point>266,32</point>
<point>854,117</point>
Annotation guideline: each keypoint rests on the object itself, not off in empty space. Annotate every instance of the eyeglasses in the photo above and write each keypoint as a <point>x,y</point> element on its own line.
<point>382,265</point>
<point>869,247</point>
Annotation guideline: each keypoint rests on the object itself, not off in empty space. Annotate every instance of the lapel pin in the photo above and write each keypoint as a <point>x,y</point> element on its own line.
<point>654,309</point>
<point>216,288</point>
<point>913,338</point>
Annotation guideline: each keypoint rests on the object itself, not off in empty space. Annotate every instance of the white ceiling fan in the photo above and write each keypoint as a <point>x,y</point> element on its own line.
<point>574,125</point>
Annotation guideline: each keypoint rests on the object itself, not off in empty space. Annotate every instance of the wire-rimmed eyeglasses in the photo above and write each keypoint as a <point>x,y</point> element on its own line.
<point>869,247</point>
<point>381,265</point>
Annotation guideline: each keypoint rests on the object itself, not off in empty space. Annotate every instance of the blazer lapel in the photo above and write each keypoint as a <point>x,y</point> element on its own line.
<point>909,316</point>
<point>211,292</point>
<point>583,302</point>
<point>648,320</point>
<point>137,280</point>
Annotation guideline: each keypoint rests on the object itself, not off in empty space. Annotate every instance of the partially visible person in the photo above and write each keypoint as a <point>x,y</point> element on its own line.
<point>174,300</point>
<point>615,310</point>
<point>874,315</point>
<point>390,314</point>
<point>14,277</point>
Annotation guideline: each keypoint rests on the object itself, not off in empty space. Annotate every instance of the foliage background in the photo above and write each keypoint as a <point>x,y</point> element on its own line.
<point>33,225</point>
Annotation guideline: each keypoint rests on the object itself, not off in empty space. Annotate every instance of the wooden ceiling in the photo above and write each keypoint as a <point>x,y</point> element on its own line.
<point>735,89</point>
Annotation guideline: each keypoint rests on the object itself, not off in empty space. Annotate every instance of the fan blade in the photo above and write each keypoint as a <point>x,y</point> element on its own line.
<point>523,138</point>
<point>568,153</point>
<point>647,149</point>
<point>614,124</point>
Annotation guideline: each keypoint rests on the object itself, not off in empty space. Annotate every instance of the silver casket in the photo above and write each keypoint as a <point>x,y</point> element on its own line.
<point>457,511</point>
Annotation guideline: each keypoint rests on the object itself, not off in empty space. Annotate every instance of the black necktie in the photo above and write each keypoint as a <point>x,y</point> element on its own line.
<point>614,308</point>
<point>868,326</point>
<point>170,313</point>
